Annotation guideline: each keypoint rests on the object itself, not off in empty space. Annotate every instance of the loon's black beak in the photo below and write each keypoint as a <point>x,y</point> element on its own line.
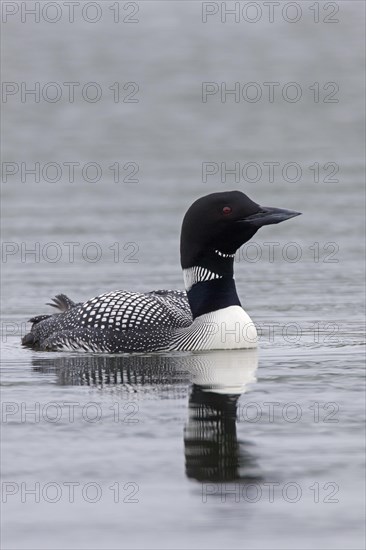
<point>268,215</point>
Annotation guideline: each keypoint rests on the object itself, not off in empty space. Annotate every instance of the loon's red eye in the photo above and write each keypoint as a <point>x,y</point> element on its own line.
<point>227,210</point>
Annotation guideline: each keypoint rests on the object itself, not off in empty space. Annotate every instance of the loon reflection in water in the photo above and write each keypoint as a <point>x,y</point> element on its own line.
<point>212,450</point>
<point>131,373</point>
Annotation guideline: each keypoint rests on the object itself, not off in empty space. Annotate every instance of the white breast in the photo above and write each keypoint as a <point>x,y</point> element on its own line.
<point>227,328</point>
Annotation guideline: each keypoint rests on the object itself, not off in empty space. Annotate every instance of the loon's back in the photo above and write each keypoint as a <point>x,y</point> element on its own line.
<point>114,322</point>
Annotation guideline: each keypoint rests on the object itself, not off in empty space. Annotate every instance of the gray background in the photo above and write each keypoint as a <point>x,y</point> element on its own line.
<point>169,133</point>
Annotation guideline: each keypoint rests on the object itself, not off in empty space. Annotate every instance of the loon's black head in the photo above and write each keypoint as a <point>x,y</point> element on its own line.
<point>216,225</point>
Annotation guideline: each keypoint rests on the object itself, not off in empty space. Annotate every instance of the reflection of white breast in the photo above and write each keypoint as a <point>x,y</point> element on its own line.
<point>227,328</point>
<point>225,372</point>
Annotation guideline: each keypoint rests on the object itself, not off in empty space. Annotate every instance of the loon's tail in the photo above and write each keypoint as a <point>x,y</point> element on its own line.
<point>32,339</point>
<point>61,302</point>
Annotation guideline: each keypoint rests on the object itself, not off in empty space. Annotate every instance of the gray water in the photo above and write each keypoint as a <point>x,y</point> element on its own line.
<point>233,450</point>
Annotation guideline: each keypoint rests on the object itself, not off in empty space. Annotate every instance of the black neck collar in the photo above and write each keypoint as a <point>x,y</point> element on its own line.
<point>208,296</point>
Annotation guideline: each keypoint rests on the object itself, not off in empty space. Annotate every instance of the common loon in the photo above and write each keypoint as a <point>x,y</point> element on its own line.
<point>208,315</point>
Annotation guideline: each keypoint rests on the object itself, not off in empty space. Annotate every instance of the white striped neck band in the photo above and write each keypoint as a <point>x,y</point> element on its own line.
<point>223,255</point>
<point>197,274</point>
